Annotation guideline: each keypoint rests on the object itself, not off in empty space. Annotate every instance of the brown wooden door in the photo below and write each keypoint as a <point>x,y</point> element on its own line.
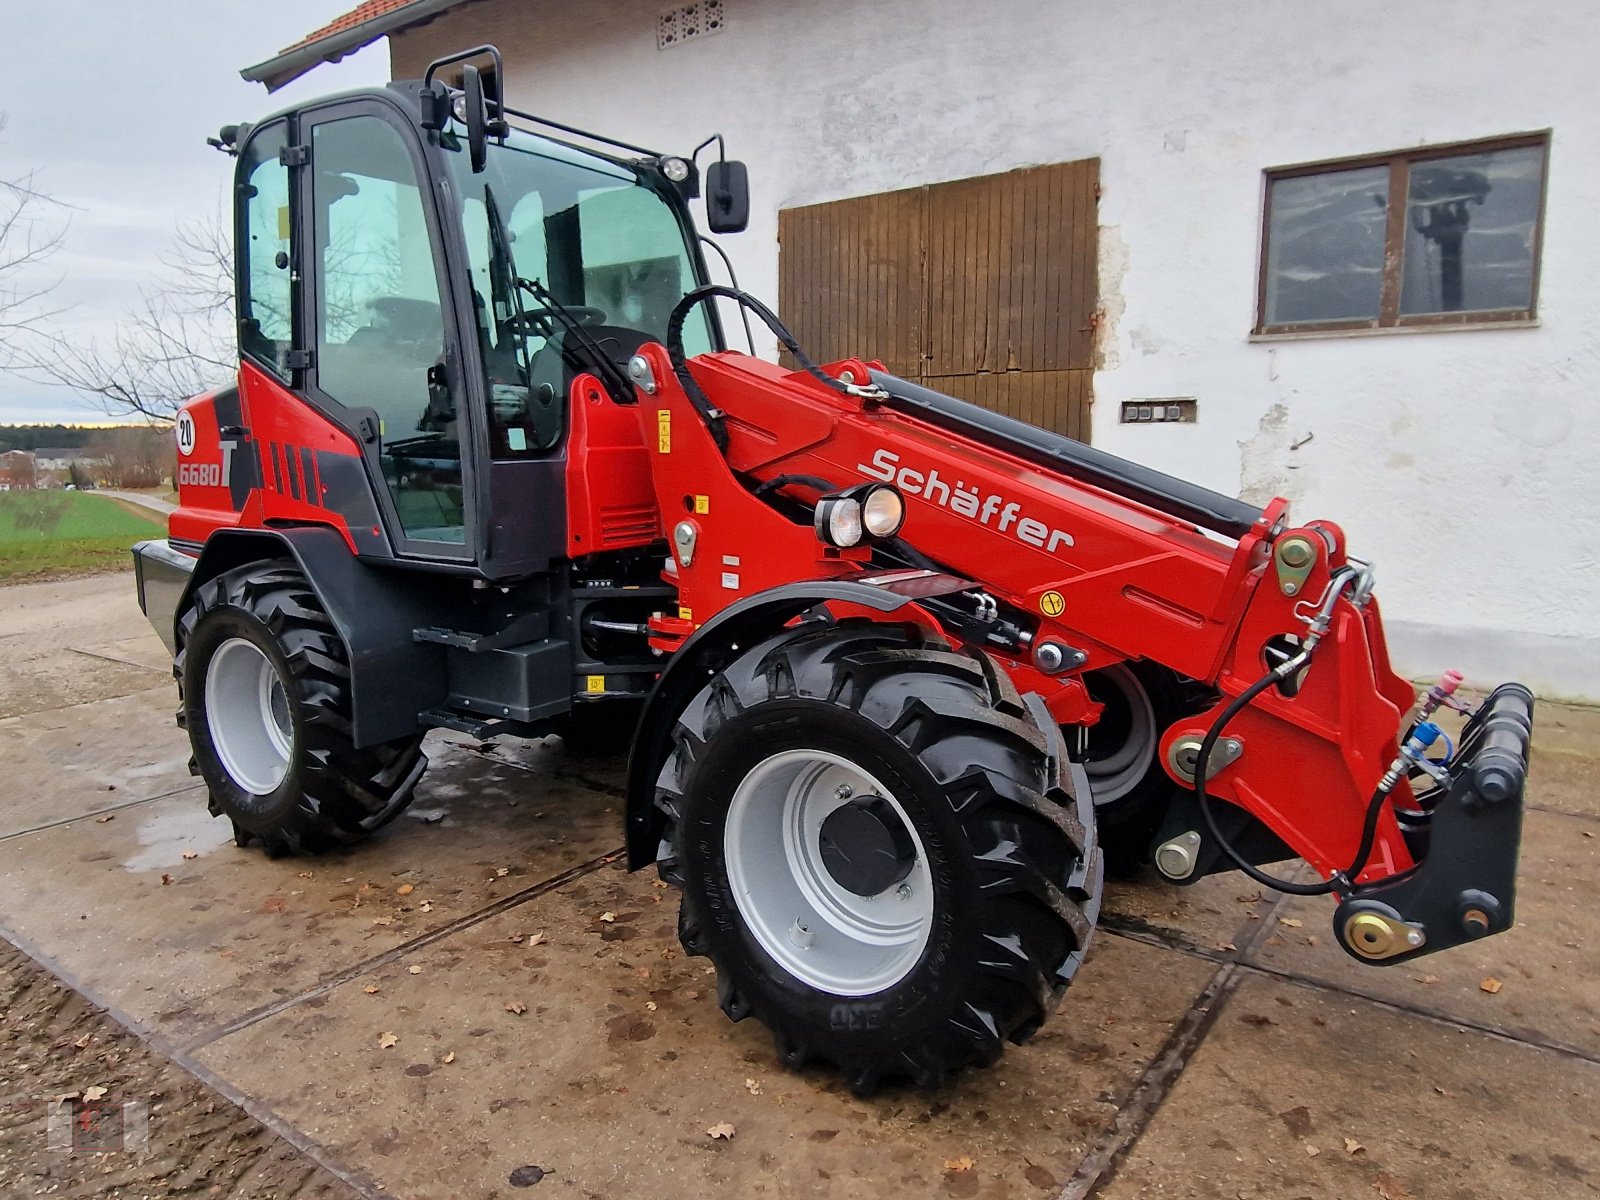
<point>982,288</point>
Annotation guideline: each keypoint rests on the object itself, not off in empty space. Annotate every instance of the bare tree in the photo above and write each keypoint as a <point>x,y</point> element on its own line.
<point>31,230</point>
<point>175,344</point>
<point>131,457</point>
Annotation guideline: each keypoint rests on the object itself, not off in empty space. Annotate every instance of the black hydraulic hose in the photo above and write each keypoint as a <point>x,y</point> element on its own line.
<point>1369,830</point>
<point>709,413</point>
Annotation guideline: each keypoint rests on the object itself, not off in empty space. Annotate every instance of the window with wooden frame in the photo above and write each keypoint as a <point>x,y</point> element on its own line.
<point>1429,237</point>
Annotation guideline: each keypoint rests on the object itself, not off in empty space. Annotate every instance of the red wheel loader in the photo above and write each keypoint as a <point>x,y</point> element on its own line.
<point>904,674</point>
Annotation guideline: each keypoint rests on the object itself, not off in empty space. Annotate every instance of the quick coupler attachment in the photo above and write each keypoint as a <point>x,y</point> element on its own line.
<point>1464,886</point>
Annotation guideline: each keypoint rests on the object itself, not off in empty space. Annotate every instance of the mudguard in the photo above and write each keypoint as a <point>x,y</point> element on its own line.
<point>392,676</point>
<point>708,650</point>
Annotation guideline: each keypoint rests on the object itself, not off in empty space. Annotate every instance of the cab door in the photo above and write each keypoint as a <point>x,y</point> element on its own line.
<point>377,317</point>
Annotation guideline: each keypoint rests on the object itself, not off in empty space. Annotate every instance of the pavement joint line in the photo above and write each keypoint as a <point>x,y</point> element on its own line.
<point>121,662</point>
<point>159,1045</point>
<point>1415,1010</point>
<point>100,812</point>
<point>1560,812</point>
<point>346,974</point>
<point>7,722</point>
<point>1149,1092</point>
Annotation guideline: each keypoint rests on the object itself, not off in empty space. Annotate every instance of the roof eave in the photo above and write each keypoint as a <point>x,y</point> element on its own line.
<point>296,61</point>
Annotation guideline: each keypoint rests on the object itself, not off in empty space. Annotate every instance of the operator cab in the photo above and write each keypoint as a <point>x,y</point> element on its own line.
<point>432,279</point>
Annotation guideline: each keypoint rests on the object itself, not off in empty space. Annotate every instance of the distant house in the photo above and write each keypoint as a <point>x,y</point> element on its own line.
<point>18,470</point>
<point>61,458</point>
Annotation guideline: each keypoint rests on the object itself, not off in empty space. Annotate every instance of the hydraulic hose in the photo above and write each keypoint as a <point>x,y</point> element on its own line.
<point>1341,880</point>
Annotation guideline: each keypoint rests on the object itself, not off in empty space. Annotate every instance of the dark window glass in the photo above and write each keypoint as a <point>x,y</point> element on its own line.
<point>264,297</point>
<point>1325,246</point>
<point>1469,233</point>
<point>1431,236</point>
<point>379,320</point>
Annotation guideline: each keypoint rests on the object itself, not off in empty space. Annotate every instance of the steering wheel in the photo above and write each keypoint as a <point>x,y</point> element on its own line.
<point>541,322</point>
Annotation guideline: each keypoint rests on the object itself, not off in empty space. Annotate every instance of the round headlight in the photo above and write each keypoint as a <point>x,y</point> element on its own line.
<point>675,169</point>
<point>839,522</point>
<point>883,512</point>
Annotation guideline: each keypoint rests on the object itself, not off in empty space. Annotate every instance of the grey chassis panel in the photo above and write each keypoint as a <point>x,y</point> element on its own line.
<point>710,648</point>
<point>392,677</point>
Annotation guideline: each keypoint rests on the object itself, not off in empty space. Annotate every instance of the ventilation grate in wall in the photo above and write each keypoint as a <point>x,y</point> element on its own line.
<point>688,21</point>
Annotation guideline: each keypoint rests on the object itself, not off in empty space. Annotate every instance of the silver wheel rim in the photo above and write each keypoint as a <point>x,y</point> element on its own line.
<point>1114,771</point>
<point>819,931</point>
<point>247,714</point>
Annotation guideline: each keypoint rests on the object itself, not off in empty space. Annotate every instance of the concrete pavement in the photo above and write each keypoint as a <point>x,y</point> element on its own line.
<point>1216,1044</point>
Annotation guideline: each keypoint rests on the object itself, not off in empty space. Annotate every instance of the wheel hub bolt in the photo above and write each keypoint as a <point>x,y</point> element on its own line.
<point>844,791</point>
<point>903,891</point>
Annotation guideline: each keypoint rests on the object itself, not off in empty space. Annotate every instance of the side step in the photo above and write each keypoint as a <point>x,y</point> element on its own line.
<point>480,728</point>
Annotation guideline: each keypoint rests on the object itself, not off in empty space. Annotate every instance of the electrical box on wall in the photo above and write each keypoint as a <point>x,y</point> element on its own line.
<point>1168,409</point>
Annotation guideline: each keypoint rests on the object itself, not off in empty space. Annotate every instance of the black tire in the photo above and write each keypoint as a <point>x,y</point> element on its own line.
<point>1132,803</point>
<point>1011,856</point>
<point>331,794</point>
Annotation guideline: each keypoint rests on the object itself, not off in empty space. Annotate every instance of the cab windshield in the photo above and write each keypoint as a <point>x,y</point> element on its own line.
<point>607,248</point>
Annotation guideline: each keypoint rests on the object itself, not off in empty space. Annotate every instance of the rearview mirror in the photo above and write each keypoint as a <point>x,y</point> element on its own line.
<point>476,117</point>
<point>727,197</point>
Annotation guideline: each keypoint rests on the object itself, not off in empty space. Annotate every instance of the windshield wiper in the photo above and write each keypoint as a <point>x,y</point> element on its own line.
<point>611,375</point>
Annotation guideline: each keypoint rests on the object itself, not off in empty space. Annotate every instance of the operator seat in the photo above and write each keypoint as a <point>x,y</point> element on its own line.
<point>555,366</point>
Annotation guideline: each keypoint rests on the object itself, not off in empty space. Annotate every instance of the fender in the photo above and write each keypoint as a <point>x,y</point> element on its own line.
<point>392,677</point>
<point>710,648</point>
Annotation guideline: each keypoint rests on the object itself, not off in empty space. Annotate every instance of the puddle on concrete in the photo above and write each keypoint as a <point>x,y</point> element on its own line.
<point>167,836</point>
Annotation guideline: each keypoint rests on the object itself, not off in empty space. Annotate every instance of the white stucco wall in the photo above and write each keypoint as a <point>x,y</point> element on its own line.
<point>1467,464</point>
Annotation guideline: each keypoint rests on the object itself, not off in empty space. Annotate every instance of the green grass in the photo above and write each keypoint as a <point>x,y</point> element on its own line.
<point>54,534</point>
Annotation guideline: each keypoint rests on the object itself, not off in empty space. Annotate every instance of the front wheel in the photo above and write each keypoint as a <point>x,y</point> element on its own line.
<point>266,698</point>
<point>876,851</point>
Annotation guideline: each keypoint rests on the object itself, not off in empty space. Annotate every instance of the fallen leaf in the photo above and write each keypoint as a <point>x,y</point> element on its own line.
<point>93,1093</point>
<point>1442,1091</point>
<point>1426,979</point>
<point>190,854</point>
<point>165,879</point>
<point>650,1004</point>
<point>502,872</point>
<point>1390,1188</point>
<point>517,1007</point>
<point>1291,922</point>
<point>427,906</point>
<point>1227,946</point>
<point>1491,985</point>
<point>83,1042</point>
<point>723,1130</point>
<point>383,920</point>
<point>1312,1150</point>
<point>104,819</point>
<point>371,989</point>
<point>308,874</point>
<point>608,917</point>
<point>643,972</point>
<point>823,1135</point>
<point>449,1057</point>
<point>527,1176</point>
<point>659,883</point>
<point>1257,1019</point>
<point>414,969</point>
<point>537,939</point>
<point>405,889</point>
<point>959,1164</point>
<point>387,1041</point>
<point>753,1086</point>
<point>1351,1146</point>
<point>515,938</point>
<point>1297,1120</point>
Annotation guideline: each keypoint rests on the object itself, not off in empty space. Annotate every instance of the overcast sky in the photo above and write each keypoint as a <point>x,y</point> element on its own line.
<point>110,102</point>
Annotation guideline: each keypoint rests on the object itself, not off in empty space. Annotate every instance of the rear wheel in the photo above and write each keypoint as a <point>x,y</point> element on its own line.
<point>876,851</point>
<point>266,698</point>
<point>1122,758</point>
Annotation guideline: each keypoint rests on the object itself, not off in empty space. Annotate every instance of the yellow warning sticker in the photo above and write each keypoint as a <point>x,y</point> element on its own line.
<point>1052,604</point>
<point>685,613</point>
<point>702,505</point>
<point>595,684</point>
<point>664,430</point>
<point>283,222</point>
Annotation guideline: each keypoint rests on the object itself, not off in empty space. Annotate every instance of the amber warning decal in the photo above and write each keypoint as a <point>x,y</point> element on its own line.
<point>186,434</point>
<point>664,431</point>
<point>1052,604</point>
